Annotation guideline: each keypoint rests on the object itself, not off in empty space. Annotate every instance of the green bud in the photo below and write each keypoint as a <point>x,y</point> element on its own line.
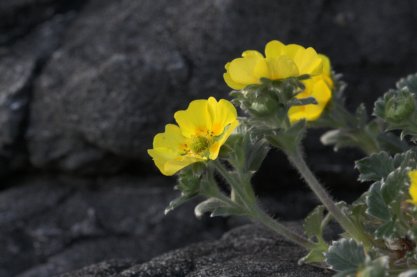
<point>399,106</point>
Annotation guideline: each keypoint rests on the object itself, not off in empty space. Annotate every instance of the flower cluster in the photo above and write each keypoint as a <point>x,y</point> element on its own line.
<point>281,62</point>
<point>279,94</point>
<point>205,126</point>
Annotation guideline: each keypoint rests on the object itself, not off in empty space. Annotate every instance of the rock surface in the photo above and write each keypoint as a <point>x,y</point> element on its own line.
<point>53,225</point>
<point>245,251</point>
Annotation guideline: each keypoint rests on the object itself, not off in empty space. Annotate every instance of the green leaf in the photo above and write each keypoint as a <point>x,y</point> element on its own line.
<point>315,255</point>
<point>406,159</point>
<point>386,231</point>
<point>345,255</point>
<point>375,167</point>
<point>392,185</point>
<point>376,203</point>
<point>209,205</point>
<point>313,223</point>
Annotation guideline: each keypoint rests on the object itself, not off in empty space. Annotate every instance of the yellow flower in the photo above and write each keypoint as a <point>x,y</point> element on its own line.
<point>413,186</point>
<point>284,61</point>
<point>202,129</point>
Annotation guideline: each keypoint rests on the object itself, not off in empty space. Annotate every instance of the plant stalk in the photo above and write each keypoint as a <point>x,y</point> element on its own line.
<point>256,214</point>
<point>299,163</point>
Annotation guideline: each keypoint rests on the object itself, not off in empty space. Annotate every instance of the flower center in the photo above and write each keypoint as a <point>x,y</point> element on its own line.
<point>199,144</point>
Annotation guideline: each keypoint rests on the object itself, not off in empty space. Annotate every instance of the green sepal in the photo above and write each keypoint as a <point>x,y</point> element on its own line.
<point>188,183</point>
<point>303,101</point>
<point>245,151</point>
<point>288,140</point>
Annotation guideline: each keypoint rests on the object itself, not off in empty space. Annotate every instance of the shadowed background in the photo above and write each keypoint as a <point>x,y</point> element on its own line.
<point>85,85</point>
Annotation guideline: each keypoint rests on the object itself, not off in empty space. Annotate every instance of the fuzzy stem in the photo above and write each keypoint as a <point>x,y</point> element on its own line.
<point>256,214</point>
<point>296,158</point>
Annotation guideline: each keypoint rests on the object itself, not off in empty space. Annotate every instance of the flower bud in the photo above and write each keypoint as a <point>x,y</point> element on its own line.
<point>399,106</point>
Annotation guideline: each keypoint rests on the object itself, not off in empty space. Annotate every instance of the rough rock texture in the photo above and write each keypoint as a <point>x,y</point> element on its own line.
<point>53,225</point>
<point>19,67</point>
<point>125,66</point>
<point>18,17</point>
<point>244,251</point>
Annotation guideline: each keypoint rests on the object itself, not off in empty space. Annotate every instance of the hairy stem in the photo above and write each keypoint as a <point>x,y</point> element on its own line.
<point>255,213</point>
<point>299,163</point>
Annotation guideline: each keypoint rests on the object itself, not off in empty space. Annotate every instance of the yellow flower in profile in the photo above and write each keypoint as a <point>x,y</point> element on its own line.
<point>284,61</point>
<point>413,186</point>
<point>202,129</point>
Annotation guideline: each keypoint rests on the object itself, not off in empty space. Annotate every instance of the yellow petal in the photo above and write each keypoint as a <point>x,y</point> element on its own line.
<point>171,138</point>
<point>327,71</point>
<point>252,53</point>
<point>249,69</point>
<point>195,120</point>
<point>167,152</point>
<point>307,60</point>
<point>413,185</point>
<point>215,147</point>
<point>321,93</point>
<point>326,64</point>
<point>232,84</point>
<point>274,49</point>
<point>222,114</point>
<point>282,67</point>
<point>169,162</point>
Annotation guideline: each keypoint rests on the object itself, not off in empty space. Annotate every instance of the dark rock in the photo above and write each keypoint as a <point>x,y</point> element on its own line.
<point>19,17</point>
<point>15,77</point>
<point>54,225</point>
<point>103,269</point>
<point>19,65</point>
<point>244,251</point>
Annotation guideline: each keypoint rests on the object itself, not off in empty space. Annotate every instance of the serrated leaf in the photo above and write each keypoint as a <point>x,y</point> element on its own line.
<point>386,230</point>
<point>406,159</point>
<point>375,167</point>
<point>345,255</point>
<point>409,82</point>
<point>316,255</point>
<point>392,185</point>
<point>312,223</point>
<point>376,203</point>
